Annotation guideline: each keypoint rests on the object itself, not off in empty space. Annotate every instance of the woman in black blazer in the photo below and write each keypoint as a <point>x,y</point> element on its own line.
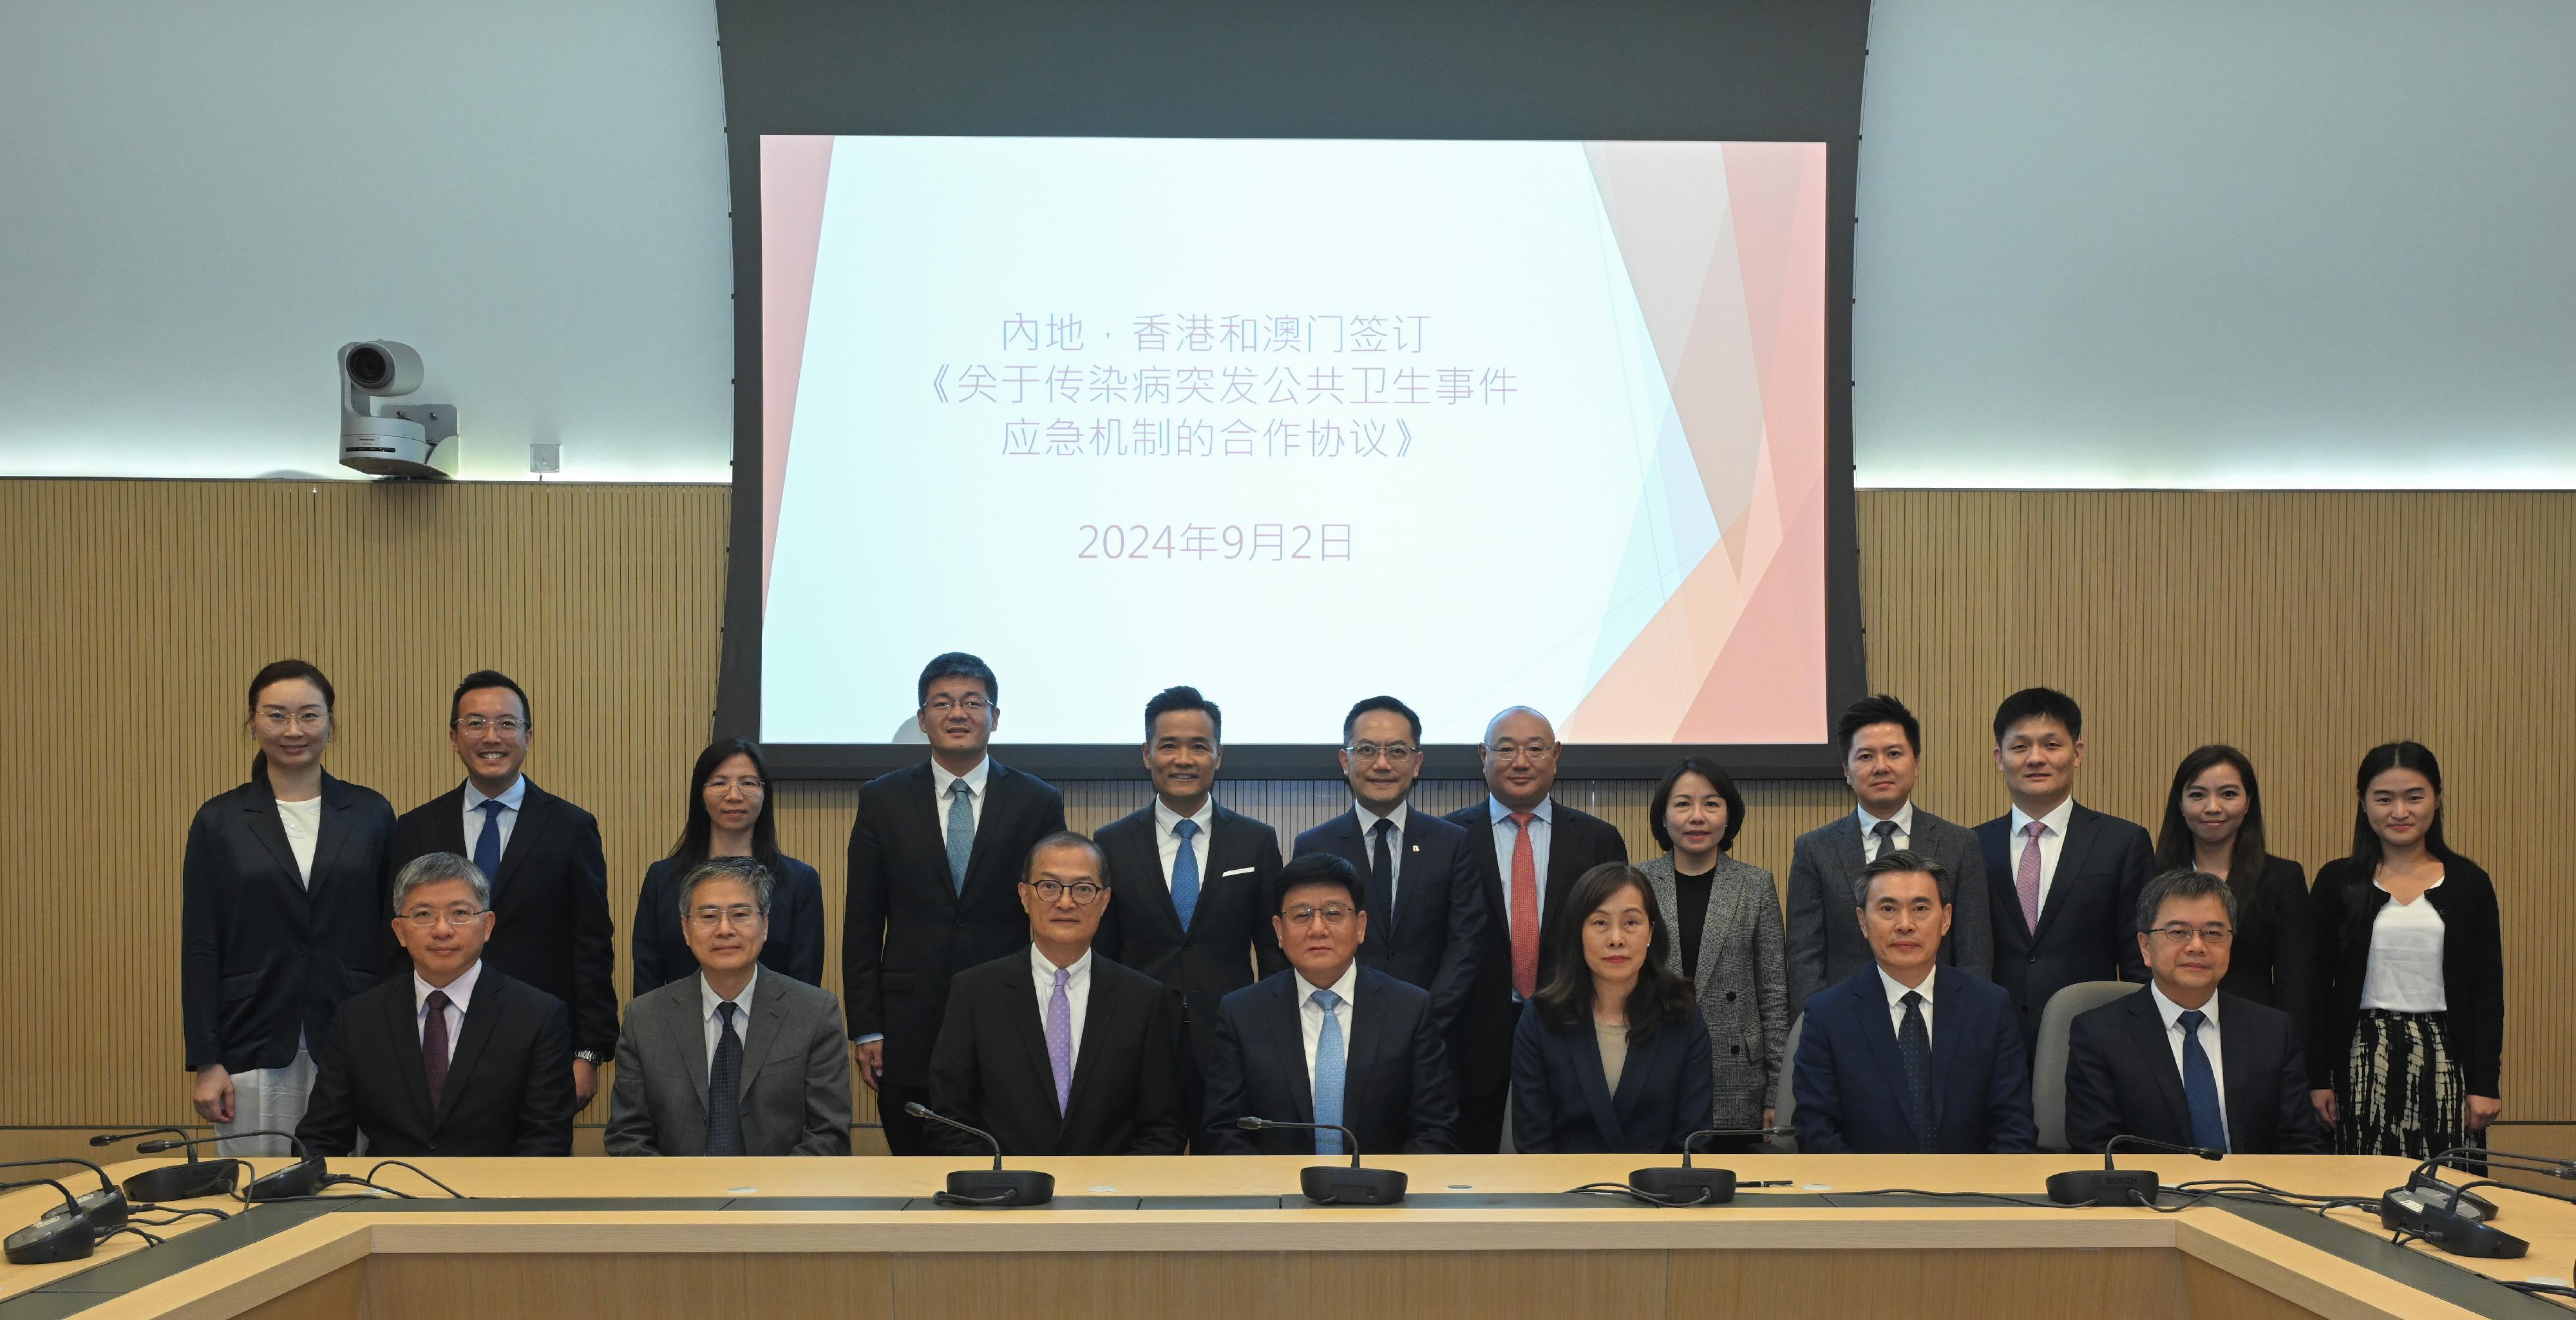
<point>281,914</point>
<point>1611,1054</point>
<point>2410,987</point>
<point>2214,823</point>
<point>728,817</point>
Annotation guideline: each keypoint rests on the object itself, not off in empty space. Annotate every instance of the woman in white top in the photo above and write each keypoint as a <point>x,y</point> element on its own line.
<point>2410,998</point>
<point>281,914</point>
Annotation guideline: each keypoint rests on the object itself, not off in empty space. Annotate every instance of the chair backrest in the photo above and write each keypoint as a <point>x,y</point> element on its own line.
<point>1784,1097</point>
<point>2048,1063</point>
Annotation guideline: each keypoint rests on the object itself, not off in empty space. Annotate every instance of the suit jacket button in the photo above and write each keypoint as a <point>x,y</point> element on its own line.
<point>433,1145</point>
<point>2031,959</point>
<point>1730,996</point>
<point>1735,1049</point>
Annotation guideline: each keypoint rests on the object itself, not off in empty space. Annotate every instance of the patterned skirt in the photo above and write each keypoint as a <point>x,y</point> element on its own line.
<point>2401,1094</point>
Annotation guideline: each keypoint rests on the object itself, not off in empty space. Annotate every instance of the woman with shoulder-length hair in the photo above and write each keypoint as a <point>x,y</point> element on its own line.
<point>728,817</point>
<point>2410,983</point>
<point>2214,824</point>
<point>281,914</point>
<point>1610,1055</point>
<point>1727,936</point>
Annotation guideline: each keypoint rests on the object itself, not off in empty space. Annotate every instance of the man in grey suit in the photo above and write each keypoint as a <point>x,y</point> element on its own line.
<point>693,1060</point>
<point>1882,747</point>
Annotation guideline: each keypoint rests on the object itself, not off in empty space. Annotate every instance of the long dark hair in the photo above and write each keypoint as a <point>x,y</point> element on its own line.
<point>281,671</point>
<point>2174,840</point>
<point>1660,995</point>
<point>2415,756</point>
<point>698,835</point>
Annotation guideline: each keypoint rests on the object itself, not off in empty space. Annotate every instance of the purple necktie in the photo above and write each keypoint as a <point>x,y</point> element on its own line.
<point>2028,880</point>
<point>433,1046</point>
<point>1059,1034</point>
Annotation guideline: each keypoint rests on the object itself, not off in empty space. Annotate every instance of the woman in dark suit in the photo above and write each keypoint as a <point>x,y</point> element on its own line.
<point>281,914</point>
<point>1610,1055</point>
<point>1729,942</point>
<point>728,817</point>
<point>2214,823</point>
<point>2410,984</point>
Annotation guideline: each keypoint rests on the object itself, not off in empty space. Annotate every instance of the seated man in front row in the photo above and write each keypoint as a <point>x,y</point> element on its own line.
<point>1328,1041</point>
<point>730,1061</point>
<point>1056,1050</point>
<point>454,1059</point>
<point>1910,1056</point>
<point>2182,1063</point>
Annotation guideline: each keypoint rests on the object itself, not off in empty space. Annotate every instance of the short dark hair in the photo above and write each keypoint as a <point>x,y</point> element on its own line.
<point>1879,709</point>
<point>1183,697</point>
<point>957,664</point>
<point>1905,861</point>
<point>1351,721</point>
<point>1065,839</point>
<point>488,678</point>
<point>2185,883</point>
<point>1716,775</point>
<point>1660,995</point>
<point>2040,703</point>
<point>747,870</point>
<point>1318,869</point>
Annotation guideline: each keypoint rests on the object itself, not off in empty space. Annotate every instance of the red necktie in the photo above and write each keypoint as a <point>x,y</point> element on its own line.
<point>1524,900</point>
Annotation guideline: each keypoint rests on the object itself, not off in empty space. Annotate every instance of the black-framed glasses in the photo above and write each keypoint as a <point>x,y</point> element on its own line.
<point>2177,936</point>
<point>1083,891</point>
<point>1395,753</point>
<point>1331,914</point>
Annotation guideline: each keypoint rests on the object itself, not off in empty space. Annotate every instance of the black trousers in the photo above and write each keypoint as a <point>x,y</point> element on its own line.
<point>904,1134</point>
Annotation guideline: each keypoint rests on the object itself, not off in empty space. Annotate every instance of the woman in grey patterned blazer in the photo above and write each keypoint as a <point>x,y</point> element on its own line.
<point>1725,916</point>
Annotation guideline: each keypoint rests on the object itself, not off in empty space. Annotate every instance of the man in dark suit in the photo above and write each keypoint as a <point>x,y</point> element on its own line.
<point>1909,1055</point>
<point>1328,1040</point>
<point>1420,869</point>
<point>1193,882</point>
<point>456,1058</point>
<point>1058,1051</point>
<point>1882,749</point>
<point>2184,1064</point>
<point>1526,850</point>
<point>551,926</point>
<point>935,862</point>
<point>2062,880</point>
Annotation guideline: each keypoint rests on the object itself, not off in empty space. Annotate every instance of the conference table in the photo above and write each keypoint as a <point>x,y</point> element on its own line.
<point>1231,1238</point>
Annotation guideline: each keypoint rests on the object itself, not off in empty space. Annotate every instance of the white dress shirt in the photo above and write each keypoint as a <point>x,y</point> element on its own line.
<point>1310,1016</point>
<point>940,779</point>
<point>1896,992</point>
<point>1394,845</point>
<point>1077,992</point>
<point>1165,819</point>
<point>2403,972</point>
<point>2052,841</point>
<point>510,798</point>
<point>1507,834</point>
<point>708,999</point>
<point>2172,1014</point>
<point>1904,837</point>
<point>460,993</point>
<point>302,822</point>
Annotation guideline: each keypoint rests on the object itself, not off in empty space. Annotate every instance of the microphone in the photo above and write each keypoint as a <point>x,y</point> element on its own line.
<point>302,1178</point>
<point>175,1182</point>
<point>1698,1186</point>
<point>2468,1204</point>
<point>104,1209</point>
<point>62,1234</point>
<point>996,1187</point>
<point>2110,1185</point>
<point>1330,1184</point>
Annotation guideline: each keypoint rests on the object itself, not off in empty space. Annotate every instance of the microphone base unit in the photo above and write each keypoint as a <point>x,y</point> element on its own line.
<point>1002,1188</point>
<point>58,1237</point>
<point>1334,1184</point>
<point>1686,1186</point>
<point>105,1209</point>
<point>2105,1187</point>
<point>2408,1210</point>
<point>2466,1204</point>
<point>183,1182</point>
<point>302,1178</point>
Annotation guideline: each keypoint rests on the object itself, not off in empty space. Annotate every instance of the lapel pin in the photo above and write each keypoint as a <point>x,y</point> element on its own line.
<point>1417,847</point>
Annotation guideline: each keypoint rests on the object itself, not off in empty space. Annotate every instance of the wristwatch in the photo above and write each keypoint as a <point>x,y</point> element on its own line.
<point>590,1057</point>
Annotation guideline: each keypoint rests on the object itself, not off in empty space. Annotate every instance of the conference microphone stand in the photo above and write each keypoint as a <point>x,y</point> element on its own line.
<point>2427,1178</point>
<point>302,1178</point>
<point>995,1187</point>
<point>2450,1216</point>
<point>105,1209</point>
<point>175,1182</point>
<point>1331,1184</point>
<point>2110,1185</point>
<point>62,1234</point>
<point>1701,1186</point>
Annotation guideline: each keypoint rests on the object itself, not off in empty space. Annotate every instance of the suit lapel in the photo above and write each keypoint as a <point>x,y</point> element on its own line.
<point>481,1013</point>
<point>2148,1041</point>
<point>688,1032</point>
<point>1881,1031</point>
<point>1288,1049</point>
<point>1359,1053</point>
<point>271,833</point>
<point>1995,839</point>
<point>524,834</point>
<point>402,1023</point>
<point>1717,921</point>
<point>769,1006</point>
<point>1945,1045</point>
<point>2081,831</point>
<point>1100,1018</point>
<point>2247,1096</point>
<point>1848,850</point>
<point>1153,899</point>
<point>333,831</point>
<point>1596,1083</point>
<point>1030,1026</point>
<point>1564,857</point>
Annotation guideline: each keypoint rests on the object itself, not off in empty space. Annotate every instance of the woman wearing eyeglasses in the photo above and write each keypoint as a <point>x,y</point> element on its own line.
<point>728,817</point>
<point>2214,825</point>
<point>1611,1055</point>
<point>281,914</point>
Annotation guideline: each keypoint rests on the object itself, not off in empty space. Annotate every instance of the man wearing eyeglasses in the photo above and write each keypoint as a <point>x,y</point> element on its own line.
<point>935,860</point>
<point>541,854</point>
<point>1419,869</point>
<point>730,1061</point>
<point>1057,1050</point>
<point>2184,1064</point>
<point>455,1059</point>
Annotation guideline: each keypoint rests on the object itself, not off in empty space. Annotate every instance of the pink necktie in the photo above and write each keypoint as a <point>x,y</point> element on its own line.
<point>1524,899</point>
<point>2028,881</point>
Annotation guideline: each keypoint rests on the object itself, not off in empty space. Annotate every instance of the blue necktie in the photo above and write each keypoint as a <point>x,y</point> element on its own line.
<point>1185,873</point>
<point>2200,1085</point>
<point>1914,1046</point>
<point>487,846</point>
<point>724,1088</point>
<point>961,832</point>
<point>1328,1074</point>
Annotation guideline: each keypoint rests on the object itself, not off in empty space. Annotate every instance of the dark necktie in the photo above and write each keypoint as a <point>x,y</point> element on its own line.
<point>1886,832</point>
<point>1382,873</point>
<point>724,1089</point>
<point>433,1048</point>
<point>1914,1044</point>
<point>487,845</point>
<point>2200,1085</point>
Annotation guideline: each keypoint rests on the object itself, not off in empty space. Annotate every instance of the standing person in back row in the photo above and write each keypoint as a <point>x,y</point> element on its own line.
<point>2062,879</point>
<point>934,884</point>
<point>551,926</point>
<point>1528,849</point>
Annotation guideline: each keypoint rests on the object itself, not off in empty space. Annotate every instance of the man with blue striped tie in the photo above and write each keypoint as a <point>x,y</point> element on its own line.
<point>1369,1044</point>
